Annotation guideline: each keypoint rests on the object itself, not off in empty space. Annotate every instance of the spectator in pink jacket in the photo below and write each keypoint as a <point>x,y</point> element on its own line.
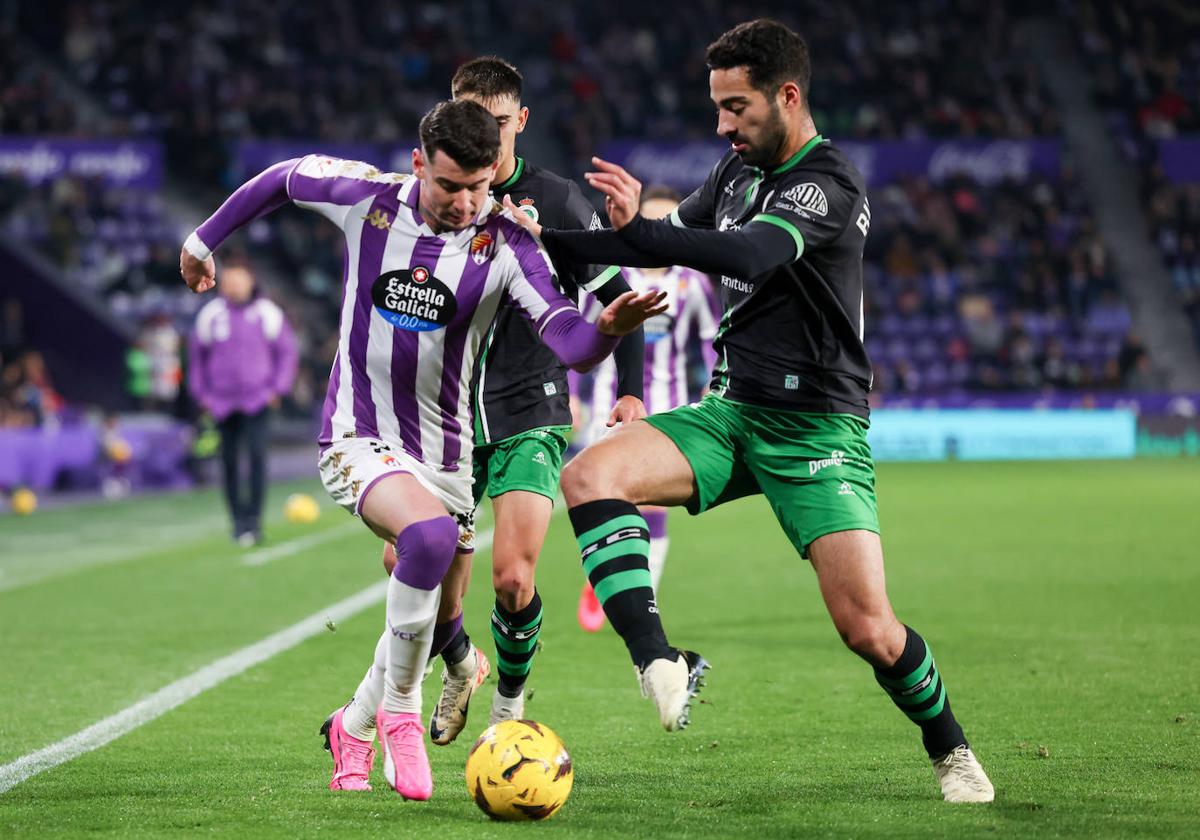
<point>242,361</point>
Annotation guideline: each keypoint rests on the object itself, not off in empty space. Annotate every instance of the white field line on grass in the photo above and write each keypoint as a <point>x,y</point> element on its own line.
<point>153,541</point>
<point>179,692</point>
<point>262,556</point>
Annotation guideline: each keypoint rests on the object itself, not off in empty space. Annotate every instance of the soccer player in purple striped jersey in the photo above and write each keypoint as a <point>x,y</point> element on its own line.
<point>521,414</point>
<point>692,308</point>
<point>429,258</point>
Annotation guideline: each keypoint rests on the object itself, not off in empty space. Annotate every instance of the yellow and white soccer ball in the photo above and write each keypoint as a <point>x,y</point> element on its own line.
<point>519,770</point>
<point>301,508</point>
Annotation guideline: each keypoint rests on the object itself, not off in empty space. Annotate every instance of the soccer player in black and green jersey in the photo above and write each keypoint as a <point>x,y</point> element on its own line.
<point>521,409</point>
<point>782,220</point>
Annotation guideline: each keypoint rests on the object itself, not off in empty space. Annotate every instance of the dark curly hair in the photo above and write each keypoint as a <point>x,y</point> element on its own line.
<point>771,53</point>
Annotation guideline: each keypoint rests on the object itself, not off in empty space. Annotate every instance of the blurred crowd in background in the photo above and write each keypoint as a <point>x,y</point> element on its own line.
<point>1146,63</point>
<point>996,287</point>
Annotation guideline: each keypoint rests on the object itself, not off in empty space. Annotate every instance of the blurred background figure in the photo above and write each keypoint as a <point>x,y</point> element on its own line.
<point>686,328</point>
<point>242,361</point>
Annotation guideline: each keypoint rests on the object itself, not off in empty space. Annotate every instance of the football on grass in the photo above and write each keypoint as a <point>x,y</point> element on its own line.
<point>519,770</point>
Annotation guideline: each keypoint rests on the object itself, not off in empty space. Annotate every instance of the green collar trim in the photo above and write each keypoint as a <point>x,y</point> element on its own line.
<point>513,178</point>
<point>799,156</point>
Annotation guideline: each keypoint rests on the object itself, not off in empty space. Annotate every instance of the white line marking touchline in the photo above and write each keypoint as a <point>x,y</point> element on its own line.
<point>266,555</point>
<point>156,705</point>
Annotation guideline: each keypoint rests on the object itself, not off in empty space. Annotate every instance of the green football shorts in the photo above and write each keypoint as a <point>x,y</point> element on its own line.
<point>815,469</point>
<point>530,461</point>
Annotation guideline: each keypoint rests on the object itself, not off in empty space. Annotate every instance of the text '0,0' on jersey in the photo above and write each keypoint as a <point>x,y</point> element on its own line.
<point>416,307</point>
<point>793,337</point>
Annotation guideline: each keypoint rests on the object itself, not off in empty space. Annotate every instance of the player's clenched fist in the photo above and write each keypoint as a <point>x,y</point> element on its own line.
<point>200,275</point>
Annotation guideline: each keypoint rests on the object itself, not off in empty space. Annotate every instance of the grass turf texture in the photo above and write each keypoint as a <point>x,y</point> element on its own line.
<point>1060,600</point>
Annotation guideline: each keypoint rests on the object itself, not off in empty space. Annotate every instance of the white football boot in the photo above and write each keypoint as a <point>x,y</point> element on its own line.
<point>962,777</point>
<point>671,684</point>
<point>507,708</point>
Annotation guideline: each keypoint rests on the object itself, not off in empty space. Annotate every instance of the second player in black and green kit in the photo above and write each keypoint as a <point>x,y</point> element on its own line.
<point>521,384</point>
<point>521,415</point>
<point>782,220</point>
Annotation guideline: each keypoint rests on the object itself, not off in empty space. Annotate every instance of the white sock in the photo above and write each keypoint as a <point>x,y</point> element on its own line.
<point>658,558</point>
<point>411,614</point>
<point>359,717</point>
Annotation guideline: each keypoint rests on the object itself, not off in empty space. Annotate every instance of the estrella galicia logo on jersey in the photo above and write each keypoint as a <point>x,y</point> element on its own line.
<point>413,299</point>
<point>808,197</point>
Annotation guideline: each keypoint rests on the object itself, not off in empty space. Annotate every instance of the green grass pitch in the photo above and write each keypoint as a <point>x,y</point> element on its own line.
<point>1062,601</point>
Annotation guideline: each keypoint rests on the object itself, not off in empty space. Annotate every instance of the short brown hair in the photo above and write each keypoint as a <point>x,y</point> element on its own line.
<point>488,77</point>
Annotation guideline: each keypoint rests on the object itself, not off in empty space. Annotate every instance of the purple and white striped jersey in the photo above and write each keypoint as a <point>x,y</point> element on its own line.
<point>416,304</point>
<point>691,307</point>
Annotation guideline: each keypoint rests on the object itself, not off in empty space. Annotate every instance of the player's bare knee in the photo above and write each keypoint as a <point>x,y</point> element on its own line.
<point>589,477</point>
<point>513,581</point>
<point>872,638</point>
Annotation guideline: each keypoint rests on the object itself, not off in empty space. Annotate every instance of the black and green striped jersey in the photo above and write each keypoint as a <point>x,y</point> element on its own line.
<point>522,383</point>
<point>792,337</point>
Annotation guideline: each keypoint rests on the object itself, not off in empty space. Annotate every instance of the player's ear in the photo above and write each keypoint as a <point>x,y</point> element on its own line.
<point>789,95</point>
<point>418,163</point>
<point>522,116</point>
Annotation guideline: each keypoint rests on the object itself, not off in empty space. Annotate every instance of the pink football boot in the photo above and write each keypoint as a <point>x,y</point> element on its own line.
<point>352,758</point>
<point>405,764</point>
<point>591,614</point>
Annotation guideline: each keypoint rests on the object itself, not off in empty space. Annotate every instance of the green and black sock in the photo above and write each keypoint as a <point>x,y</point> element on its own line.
<point>516,635</point>
<point>916,687</point>
<point>615,542</point>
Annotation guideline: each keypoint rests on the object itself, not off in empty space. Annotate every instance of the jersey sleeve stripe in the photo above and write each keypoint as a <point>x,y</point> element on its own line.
<point>549,316</point>
<point>675,220</point>
<point>783,224</point>
<point>601,278</point>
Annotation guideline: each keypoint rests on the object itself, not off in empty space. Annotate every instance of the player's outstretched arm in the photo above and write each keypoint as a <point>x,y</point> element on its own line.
<point>641,243</point>
<point>260,195</point>
<point>753,250</point>
<point>585,246</point>
<point>579,343</point>
<point>582,345</point>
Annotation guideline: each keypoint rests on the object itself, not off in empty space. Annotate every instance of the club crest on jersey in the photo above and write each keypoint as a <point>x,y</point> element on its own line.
<point>808,197</point>
<point>525,205</point>
<point>413,299</point>
<point>483,246</point>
